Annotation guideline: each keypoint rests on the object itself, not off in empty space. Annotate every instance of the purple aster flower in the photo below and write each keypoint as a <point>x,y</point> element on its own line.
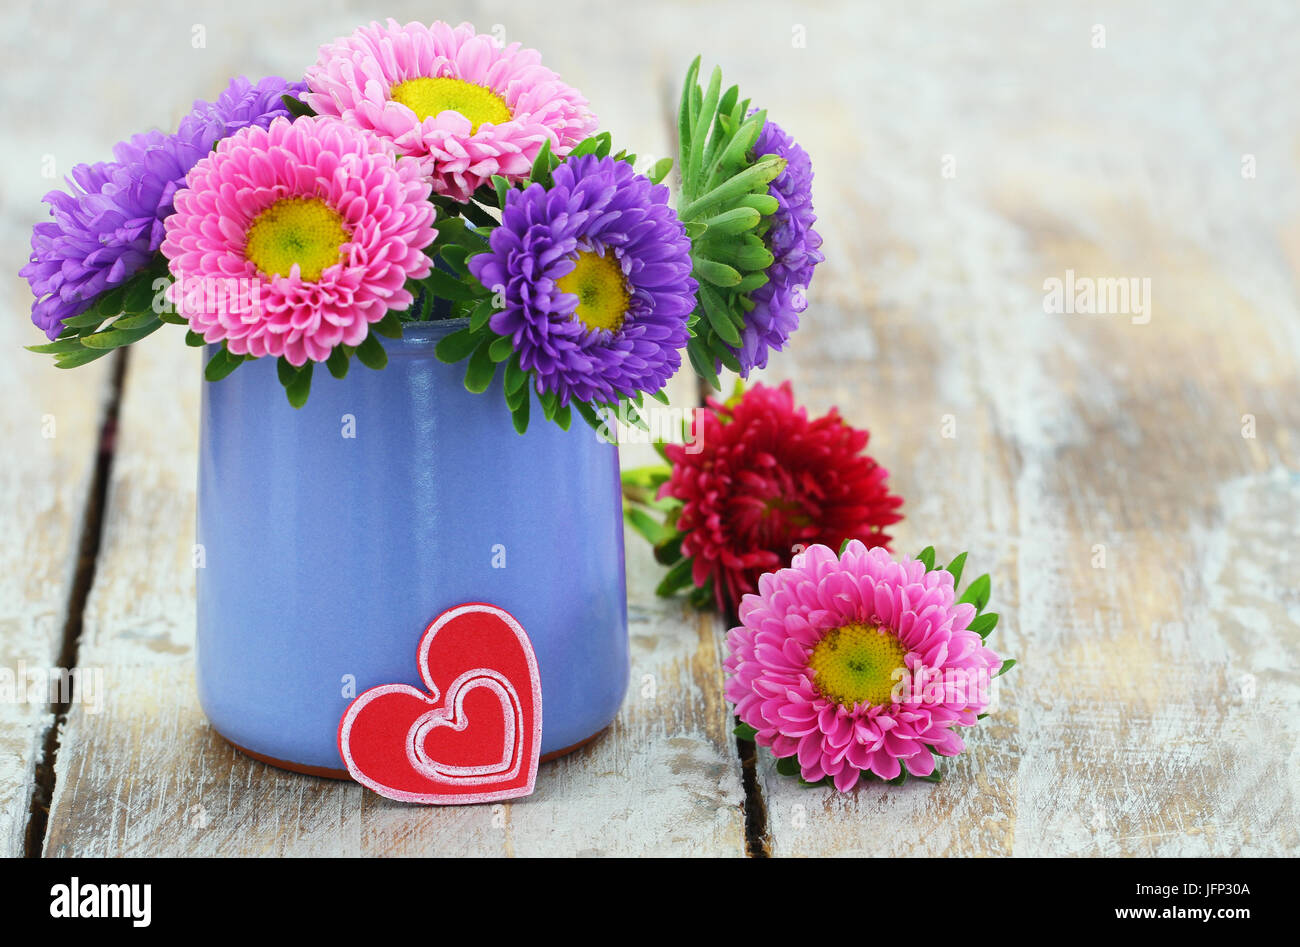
<point>108,224</point>
<point>596,274</point>
<point>795,246</point>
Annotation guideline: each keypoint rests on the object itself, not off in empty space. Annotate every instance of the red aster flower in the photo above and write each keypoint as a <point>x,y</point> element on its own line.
<point>760,482</point>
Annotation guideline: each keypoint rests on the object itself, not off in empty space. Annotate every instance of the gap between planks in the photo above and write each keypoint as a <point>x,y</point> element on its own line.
<point>92,530</point>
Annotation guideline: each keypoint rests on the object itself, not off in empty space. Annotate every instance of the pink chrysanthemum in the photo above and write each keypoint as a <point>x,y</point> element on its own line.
<point>826,665</point>
<point>293,239</point>
<point>453,99</point>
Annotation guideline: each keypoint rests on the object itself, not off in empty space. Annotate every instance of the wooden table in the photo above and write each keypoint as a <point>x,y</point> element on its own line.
<point>1130,483</point>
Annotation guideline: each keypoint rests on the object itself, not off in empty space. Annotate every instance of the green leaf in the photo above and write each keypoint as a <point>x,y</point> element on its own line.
<point>91,317</point>
<point>221,364</point>
<point>516,377</point>
<point>502,186</point>
<point>371,353</point>
<point>550,403</point>
<point>660,170</point>
<point>734,221</point>
<point>719,274</point>
<point>109,303</point>
<point>669,550</point>
<point>338,362</point>
<point>57,347</point>
<point>594,420</point>
<point>285,371</point>
<point>76,359</point>
<point>936,776</point>
<point>139,295</point>
<point>502,348</point>
<point>977,593</point>
<point>955,568</point>
<point>685,120</point>
<point>756,176</point>
<point>480,315</point>
<point>519,415</point>
<point>719,351</point>
<point>390,327</point>
<point>788,766</point>
<point>715,310</point>
<point>481,368</point>
<point>926,555</point>
<point>678,578</point>
<point>983,624</point>
<point>446,286</point>
<point>765,204</point>
<point>299,386</point>
<point>644,524</point>
<point>745,732</point>
<point>704,120</point>
<point>112,338</point>
<point>742,141</point>
<point>457,346</point>
<point>1007,665</point>
<point>702,362</point>
<point>297,107</point>
<point>194,340</point>
<point>563,417</point>
<point>517,397</point>
<point>542,163</point>
<point>135,321</point>
<point>747,255</point>
<point>648,477</point>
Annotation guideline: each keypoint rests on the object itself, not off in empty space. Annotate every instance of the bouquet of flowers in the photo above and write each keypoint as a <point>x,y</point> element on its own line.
<point>421,173</point>
<point>428,172</point>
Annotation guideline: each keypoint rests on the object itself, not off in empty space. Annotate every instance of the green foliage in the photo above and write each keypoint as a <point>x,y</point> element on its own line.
<point>117,317</point>
<point>725,206</point>
<point>297,107</point>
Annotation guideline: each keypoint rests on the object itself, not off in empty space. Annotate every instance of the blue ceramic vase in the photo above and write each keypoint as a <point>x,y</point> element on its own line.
<point>330,536</point>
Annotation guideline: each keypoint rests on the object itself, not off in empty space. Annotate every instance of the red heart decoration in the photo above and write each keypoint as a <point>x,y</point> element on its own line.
<point>474,735</point>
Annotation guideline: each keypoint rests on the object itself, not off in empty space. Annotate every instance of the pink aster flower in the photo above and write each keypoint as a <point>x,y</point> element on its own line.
<point>453,99</point>
<point>293,239</point>
<point>857,663</point>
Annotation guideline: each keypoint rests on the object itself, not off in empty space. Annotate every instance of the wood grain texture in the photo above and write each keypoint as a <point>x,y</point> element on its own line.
<point>1143,550</point>
<point>49,425</point>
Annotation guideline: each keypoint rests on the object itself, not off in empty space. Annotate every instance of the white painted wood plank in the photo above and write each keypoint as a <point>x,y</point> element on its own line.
<point>1153,712</point>
<point>49,425</point>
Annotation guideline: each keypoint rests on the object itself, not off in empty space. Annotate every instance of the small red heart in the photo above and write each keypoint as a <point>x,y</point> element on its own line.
<point>474,736</point>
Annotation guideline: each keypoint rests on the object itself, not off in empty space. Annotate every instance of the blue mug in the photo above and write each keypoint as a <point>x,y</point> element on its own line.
<point>331,536</point>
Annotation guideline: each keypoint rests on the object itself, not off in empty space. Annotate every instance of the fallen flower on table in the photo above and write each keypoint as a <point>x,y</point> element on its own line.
<point>758,482</point>
<point>861,666</point>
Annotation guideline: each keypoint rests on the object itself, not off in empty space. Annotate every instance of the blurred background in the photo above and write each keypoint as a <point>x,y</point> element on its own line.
<point>1130,479</point>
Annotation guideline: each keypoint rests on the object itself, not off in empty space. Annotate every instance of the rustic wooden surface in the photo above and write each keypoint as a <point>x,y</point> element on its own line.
<point>1142,546</point>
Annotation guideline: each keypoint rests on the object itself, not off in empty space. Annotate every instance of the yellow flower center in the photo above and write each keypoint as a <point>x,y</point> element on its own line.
<point>601,289</point>
<point>302,230</point>
<point>430,97</point>
<point>856,664</point>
